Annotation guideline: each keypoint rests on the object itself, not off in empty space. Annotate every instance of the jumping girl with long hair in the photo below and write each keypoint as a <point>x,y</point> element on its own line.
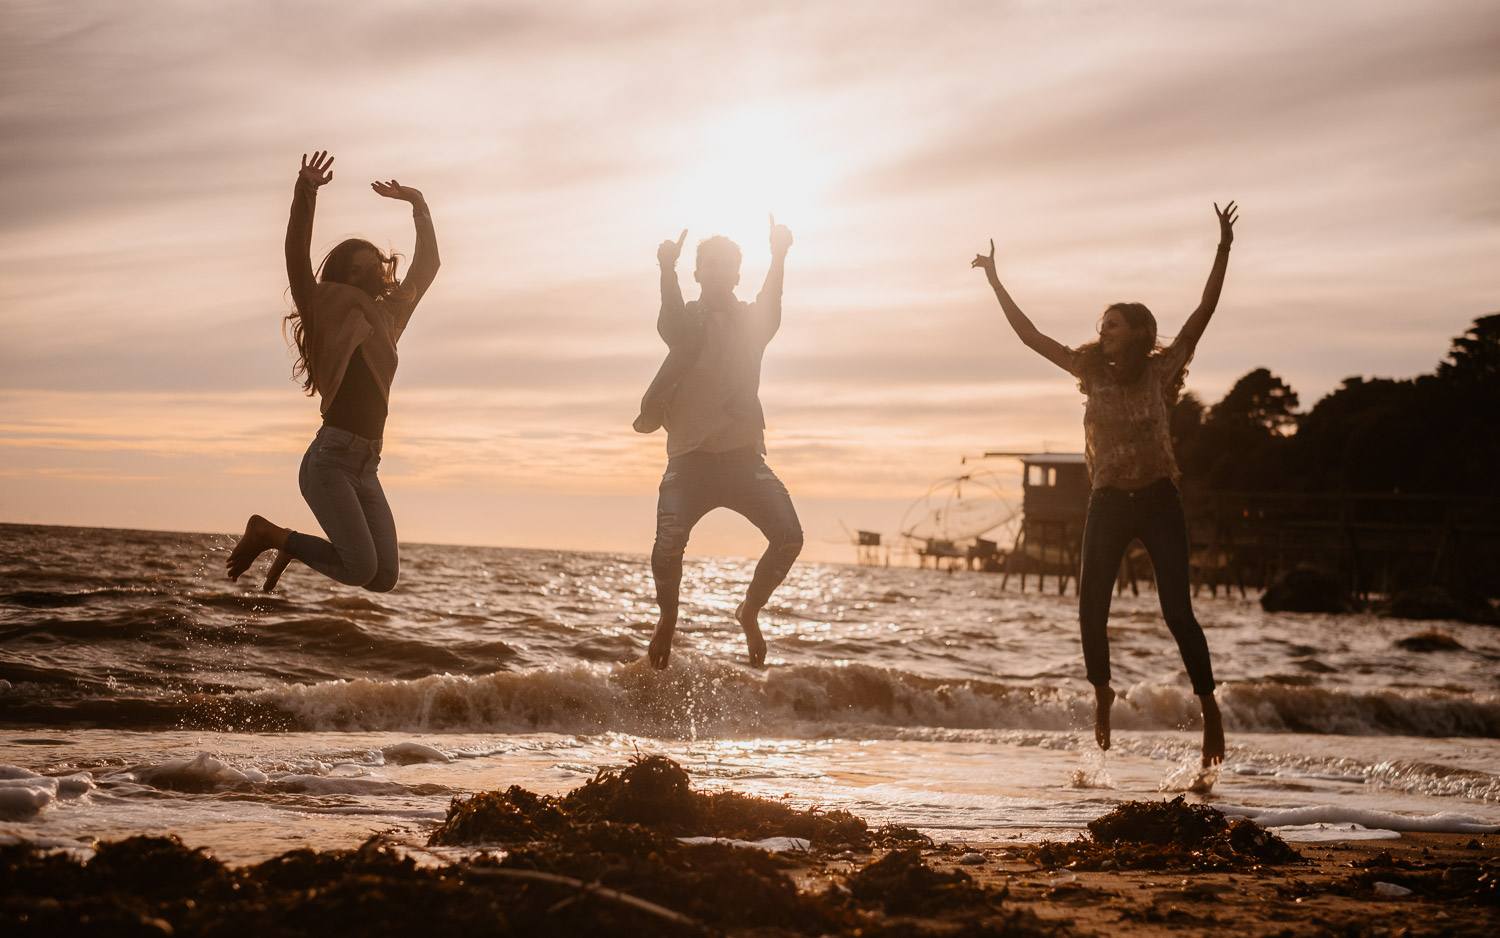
<point>1131,383</point>
<point>345,324</point>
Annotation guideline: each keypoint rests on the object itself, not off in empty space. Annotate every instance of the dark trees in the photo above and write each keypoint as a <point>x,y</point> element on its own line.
<point>1241,443</point>
<point>1259,403</point>
<point>1434,434</point>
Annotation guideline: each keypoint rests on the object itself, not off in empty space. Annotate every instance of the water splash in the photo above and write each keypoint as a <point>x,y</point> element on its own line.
<point>1093,771</point>
<point>1191,775</point>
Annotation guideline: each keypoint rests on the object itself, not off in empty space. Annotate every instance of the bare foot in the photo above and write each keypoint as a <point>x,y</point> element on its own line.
<point>755,643</point>
<point>661,642</point>
<point>1213,731</point>
<point>1104,698</point>
<point>260,536</point>
<point>278,566</point>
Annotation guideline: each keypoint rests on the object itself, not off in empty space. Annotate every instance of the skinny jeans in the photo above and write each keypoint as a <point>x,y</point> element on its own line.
<point>1153,514</point>
<point>696,483</point>
<point>339,483</point>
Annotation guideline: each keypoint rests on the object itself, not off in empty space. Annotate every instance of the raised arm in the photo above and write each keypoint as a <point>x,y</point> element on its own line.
<point>768,300</point>
<point>672,321</point>
<point>1192,330</point>
<point>299,269</point>
<point>424,259</point>
<point>1049,348</point>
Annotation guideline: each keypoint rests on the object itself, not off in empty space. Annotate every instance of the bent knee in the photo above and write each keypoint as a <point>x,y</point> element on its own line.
<point>383,581</point>
<point>358,571</point>
<point>788,544</point>
<point>671,535</point>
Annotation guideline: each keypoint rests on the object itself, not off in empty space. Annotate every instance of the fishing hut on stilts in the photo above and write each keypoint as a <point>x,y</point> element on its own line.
<point>1054,504</point>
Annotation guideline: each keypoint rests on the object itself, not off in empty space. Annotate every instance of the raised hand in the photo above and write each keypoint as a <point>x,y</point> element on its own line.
<point>781,238</point>
<point>668,251</point>
<point>394,190</point>
<point>319,171</point>
<point>986,262</point>
<point>1228,215</point>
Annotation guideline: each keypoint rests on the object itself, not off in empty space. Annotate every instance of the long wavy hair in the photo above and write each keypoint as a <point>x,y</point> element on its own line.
<point>335,269</point>
<point>1128,367</point>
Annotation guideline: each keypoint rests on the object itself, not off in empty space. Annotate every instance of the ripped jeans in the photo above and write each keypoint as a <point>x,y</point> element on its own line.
<point>339,483</point>
<point>695,484</point>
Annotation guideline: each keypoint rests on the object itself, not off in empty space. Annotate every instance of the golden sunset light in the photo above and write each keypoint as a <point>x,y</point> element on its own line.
<point>749,467</point>
<point>150,151</point>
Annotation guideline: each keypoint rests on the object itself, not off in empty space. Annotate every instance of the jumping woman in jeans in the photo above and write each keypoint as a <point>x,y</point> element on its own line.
<point>1131,383</point>
<point>345,323</point>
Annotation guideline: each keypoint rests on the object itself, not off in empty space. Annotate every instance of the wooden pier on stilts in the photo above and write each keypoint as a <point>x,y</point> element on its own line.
<point>1055,502</point>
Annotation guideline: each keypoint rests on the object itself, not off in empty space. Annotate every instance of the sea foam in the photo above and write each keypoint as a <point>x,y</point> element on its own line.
<point>699,697</point>
<point>1442,822</point>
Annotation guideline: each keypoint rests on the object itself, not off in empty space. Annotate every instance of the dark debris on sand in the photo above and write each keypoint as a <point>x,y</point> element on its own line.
<point>654,792</point>
<point>904,885</point>
<point>1159,835</point>
<point>603,859</point>
<point>1476,882</point>
<point>156,886</point>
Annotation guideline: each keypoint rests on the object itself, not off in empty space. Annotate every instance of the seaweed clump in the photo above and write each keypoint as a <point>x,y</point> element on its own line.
<point>157,886</point>
<point>619,830</point>
<point>655,792</point>
<point>1156,835</point>
<point>904,885</point>
<point>500,817</point>
<point>715,884</point>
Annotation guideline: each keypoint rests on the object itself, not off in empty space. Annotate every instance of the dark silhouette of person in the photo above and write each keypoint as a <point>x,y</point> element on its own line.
<point>707,395</point>
<point>1131,383</point>
<point>345,323</point>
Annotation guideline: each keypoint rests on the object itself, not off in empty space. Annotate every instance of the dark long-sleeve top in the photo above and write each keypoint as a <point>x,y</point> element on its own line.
<point>339,318</point>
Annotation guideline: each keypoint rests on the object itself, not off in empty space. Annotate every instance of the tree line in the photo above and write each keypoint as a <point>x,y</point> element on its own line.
<point>1435,434</point>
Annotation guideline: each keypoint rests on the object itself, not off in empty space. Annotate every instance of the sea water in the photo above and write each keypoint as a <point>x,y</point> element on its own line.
<point>140,692</point>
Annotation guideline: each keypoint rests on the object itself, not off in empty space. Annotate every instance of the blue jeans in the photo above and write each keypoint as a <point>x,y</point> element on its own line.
<point>339,483</point>
<point>697,483</point>
<point>1116,517</point>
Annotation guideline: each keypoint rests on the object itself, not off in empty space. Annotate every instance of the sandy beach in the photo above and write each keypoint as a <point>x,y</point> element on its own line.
<point>619,855</point>
<point>1334,891</point>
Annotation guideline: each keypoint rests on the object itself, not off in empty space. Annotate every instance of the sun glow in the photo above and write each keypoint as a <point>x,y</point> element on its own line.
<point>737,171</point>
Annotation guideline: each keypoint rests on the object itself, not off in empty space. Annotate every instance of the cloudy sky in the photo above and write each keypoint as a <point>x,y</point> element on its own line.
<point>148,151</point>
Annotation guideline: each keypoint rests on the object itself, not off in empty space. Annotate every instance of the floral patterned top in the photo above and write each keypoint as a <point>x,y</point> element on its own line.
<point>1127,428</point>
